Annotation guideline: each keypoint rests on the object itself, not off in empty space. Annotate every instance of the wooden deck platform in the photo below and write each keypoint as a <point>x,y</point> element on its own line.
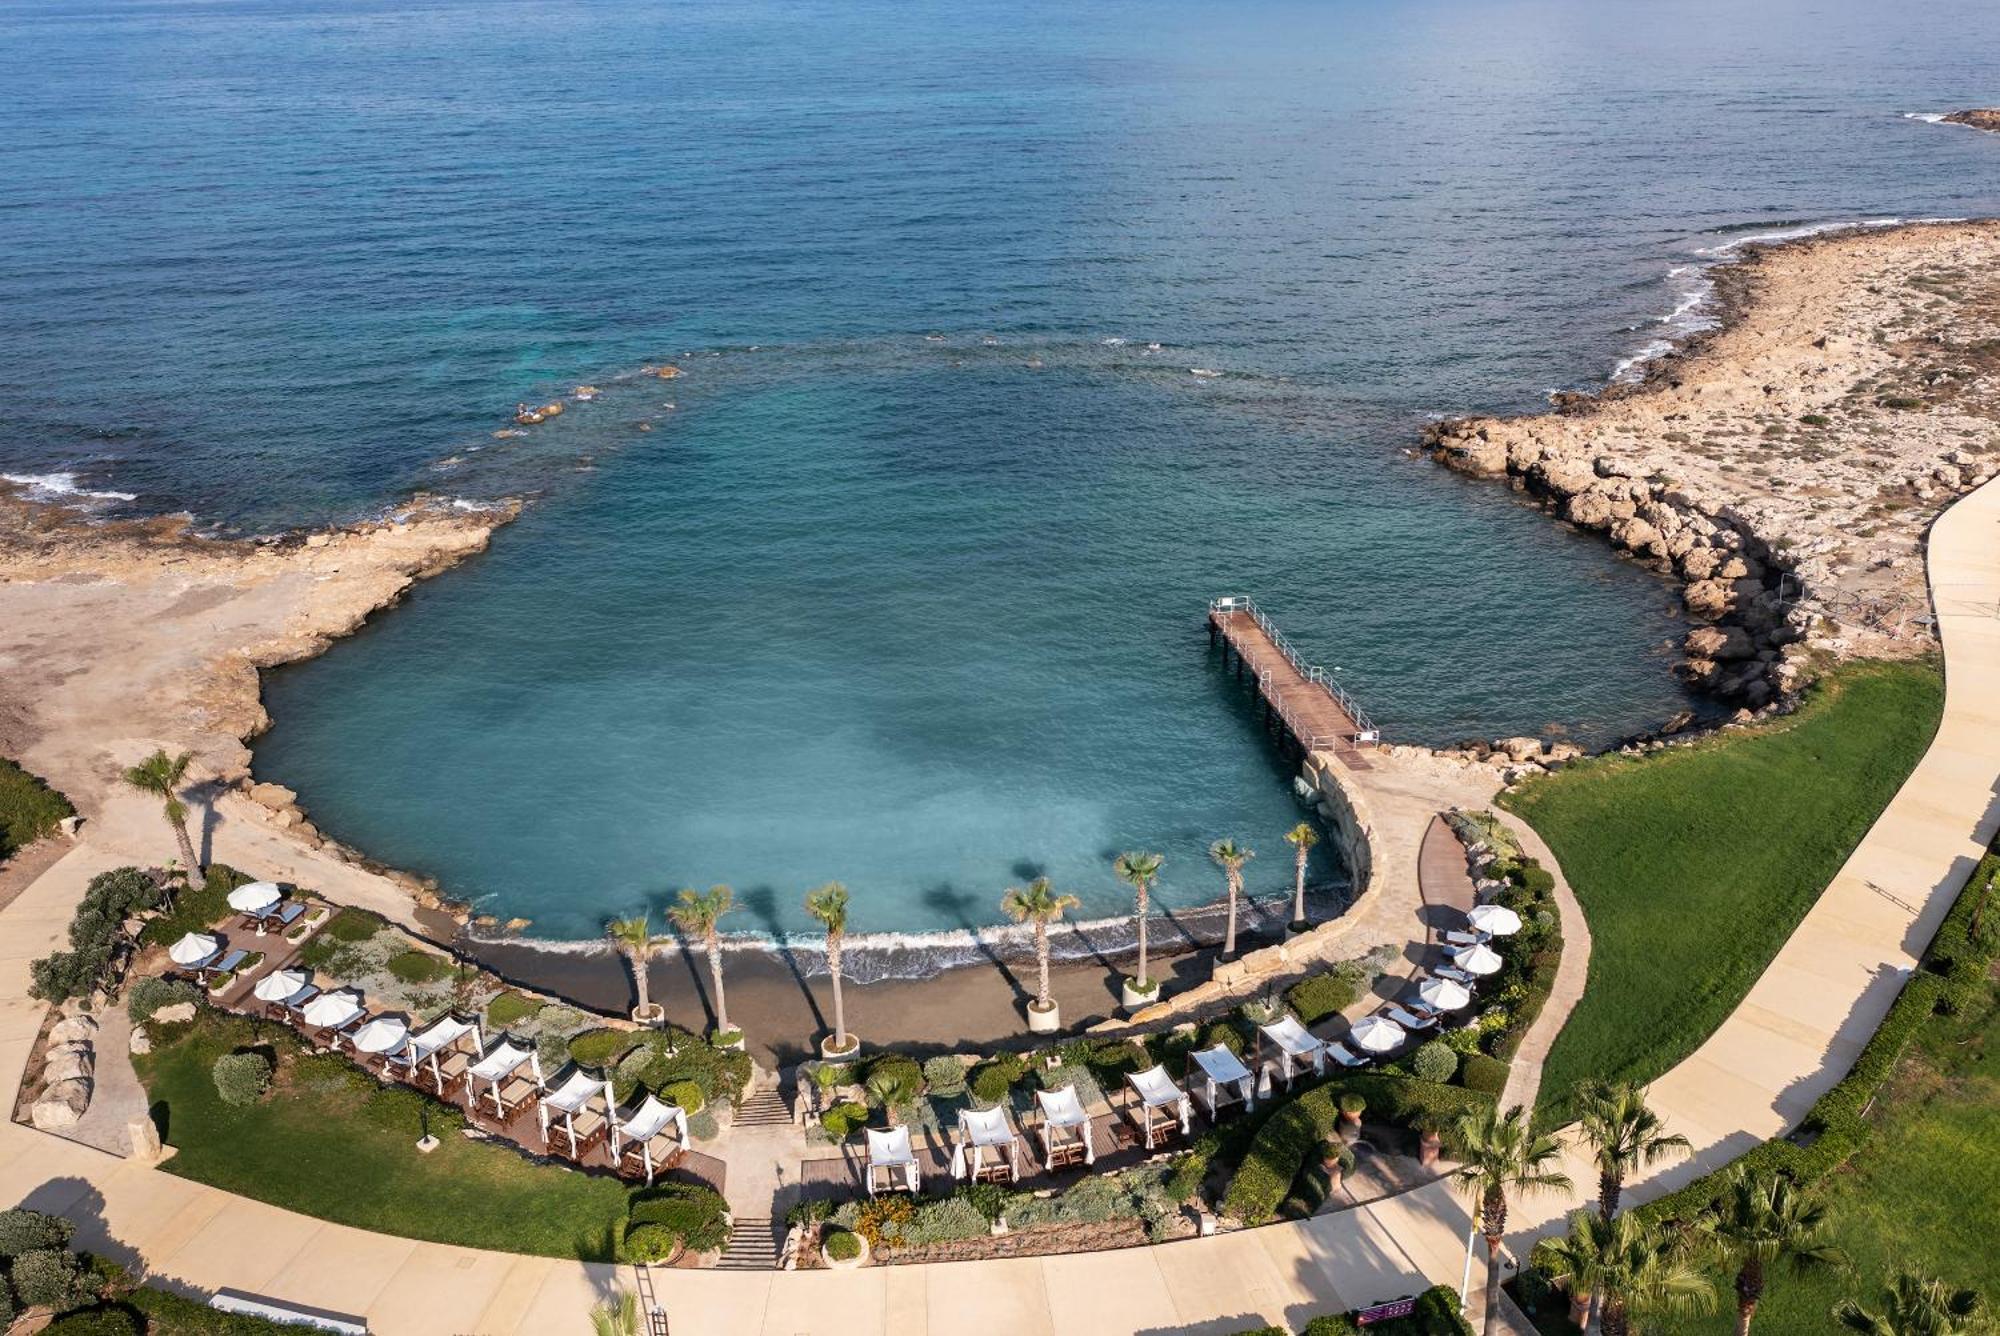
<point>1301,698</point>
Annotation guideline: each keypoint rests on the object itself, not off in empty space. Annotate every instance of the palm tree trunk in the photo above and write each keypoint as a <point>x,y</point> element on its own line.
<point>188,859</point>
<point>1229,935</point>
<point>640,984</point>
<point>1299,888</point>
<point>1492,1323</point>
<point>1610,1187</point>
<point>1142,934</point>
<point>1042,962</point>
<point>1749,1289</point>
<point>1613,1319</point>
<point>839,1011</point>
<point>715,972</point>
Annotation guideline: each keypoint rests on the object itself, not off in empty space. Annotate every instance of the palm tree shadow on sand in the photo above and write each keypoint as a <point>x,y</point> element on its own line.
<point>957,906</point>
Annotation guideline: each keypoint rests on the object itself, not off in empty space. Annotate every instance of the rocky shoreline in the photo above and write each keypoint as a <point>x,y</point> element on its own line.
<point>1785,466</point>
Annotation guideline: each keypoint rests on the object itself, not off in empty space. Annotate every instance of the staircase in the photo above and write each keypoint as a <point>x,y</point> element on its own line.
<point>753,1246</point>
<point>764,1108</point>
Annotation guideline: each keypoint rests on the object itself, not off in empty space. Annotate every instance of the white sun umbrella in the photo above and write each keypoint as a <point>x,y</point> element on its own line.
<point>1495,920</point>
<point>1377,1034</point>
<point>384,1034</point>
<point>255,898</point>
<point>1444,994</point>
<point>332,1011</point>
<point>195,950</point>
<point>281,986</point>
<point>1477,959</point>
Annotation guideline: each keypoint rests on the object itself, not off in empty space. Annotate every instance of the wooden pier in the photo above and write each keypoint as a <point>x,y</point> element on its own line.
<point>1299,699</point>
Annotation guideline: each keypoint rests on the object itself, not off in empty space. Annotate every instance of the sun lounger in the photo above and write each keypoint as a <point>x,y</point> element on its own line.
<point>1066,1132</point>
<point>1457,938</point>
<point>1454,973</point>
<point>1340,1054</point>
<point>1408,1019</point>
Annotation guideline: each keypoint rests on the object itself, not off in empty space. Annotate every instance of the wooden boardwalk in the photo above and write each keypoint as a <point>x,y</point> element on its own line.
<point>1312,709</point>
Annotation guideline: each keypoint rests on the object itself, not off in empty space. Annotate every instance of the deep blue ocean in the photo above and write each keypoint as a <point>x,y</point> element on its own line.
<point>902,582</point>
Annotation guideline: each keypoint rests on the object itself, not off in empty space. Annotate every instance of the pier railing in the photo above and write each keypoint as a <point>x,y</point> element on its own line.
<point>1311,672</point>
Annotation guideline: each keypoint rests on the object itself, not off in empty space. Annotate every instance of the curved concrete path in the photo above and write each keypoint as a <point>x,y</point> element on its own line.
<point>1792,1037</point>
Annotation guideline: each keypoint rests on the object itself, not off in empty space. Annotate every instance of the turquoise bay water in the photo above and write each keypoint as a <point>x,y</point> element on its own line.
<point>905,588</point>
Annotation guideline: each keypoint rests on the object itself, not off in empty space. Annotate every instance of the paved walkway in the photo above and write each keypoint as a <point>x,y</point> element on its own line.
<point>1524,1078</point>
<point>1794,1036</point>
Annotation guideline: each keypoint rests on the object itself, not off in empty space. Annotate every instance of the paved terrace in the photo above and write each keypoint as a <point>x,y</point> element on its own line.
<point>1794,1036</point>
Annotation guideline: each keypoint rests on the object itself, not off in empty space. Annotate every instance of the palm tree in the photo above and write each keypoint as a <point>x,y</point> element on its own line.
<point>828,904</point>
<point>1302,838</point>
<point>1498,1154</point>
<point>697,915</point>
<point>161,775</point>
<point>1040,905</point>
<point>634,937</point>
<point>1140,871</point>
<point>1760,1223</point>
<point>1916,1305</point>
<point>1639,1268</point>
<point>1232,856</point>
<point>1624,1135</point>
<point>617,1315</point>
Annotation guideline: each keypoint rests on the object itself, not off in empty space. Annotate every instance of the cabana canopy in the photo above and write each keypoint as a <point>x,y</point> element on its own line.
<point>980,1131</point>
<point>571,1097</point>
<point>890,1151</point>
<point>1220,1069</point>
<point>255,898</point>
<point>497,1068</point>
<point>332,1011</point>
<point>281,985</point>
<point>1297,1046</point>
<point>1377,1034</point>
<point>195,950</point>
<point>1156,1090</point>
<point>1064,1125</point>
<point>650,1124</point>
<point>440,1036</point>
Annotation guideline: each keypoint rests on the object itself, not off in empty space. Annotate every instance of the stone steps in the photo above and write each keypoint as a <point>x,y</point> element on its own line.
<point>753,1246</point>
<point>765,1108</point>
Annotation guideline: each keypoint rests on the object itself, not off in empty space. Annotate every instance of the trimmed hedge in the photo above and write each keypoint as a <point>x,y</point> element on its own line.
<point>1281,1146</point>
<point>1954,969</point>
<point>1436,1314</point>
<point>1486,1075</point>
<point>1318,996</point>
<point>685,1215</point>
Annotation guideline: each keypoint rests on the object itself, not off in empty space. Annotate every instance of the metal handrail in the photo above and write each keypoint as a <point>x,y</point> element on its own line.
<point>1311,672</point>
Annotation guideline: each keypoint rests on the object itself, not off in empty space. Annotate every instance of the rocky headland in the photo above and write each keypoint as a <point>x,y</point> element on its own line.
<point>1786,466</point>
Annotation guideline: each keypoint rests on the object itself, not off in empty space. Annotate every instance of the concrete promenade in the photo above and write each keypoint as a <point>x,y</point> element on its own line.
<point>1793,1036</point>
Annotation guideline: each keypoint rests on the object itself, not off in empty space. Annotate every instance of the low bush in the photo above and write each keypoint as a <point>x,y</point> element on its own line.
<point>1318,996</point>
<point>690,1215</point>
<point>945,1076</point>
<point>651,1243</point>
<point>96,930</point>
<point>24,1230</point>
<point>882,1219</point>
<point>29,808</point>
<point>418,967</point>
<point>51,1276</point>
<point>116,1320</point>
<point>168,1314</point>
<point>894,1080</point>
<point>242,1078</point>
<point>1434,1061</point>
<point>992,1079</point>
<point>510,1008</point>
<point>151,994</point>
<point>677,1055</point>
<point>195,908</point>
<point>1436,1314</point>
<point>600,1048</point>
<point>1484,1074</point>
<point>684,1094</point>
<point>844,1119</point>
<point>946,1220</point>
<point>841,1245</point>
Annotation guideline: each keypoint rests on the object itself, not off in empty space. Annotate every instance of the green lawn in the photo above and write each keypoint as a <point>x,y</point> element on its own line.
<point>29,809</point>
<point>1925,1193</point>
<point>1694,864</point>
<point>329,1143</point>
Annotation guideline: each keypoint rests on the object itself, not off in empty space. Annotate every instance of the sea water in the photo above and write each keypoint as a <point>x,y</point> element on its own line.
<point>1011,334</point>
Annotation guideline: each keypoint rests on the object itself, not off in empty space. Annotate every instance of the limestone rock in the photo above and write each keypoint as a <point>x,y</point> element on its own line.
<point>1709,598</point>
<point>177,1014</point>
<point>74,1029</point>
<point>72,1064</point>
<point>61,1105</point>
<point>1519,749</point>
<point>141,1042</point>
<point>1720,642</point>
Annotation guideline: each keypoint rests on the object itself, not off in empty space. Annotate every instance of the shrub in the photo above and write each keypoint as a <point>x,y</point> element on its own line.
<point>989,1199</point>
<point>1436,1314</point>
<point>841,1245</point>
<point>1484,1074</point>
<point>1536,880</point>
<point>1815,419</point>
<point>894,1080</point>
<point>1435,1061</point>
<point>702,1125</point>
<point>196,907</point>
<point>692,1215</point>
<point>29,808</point>
<point>810,1212</point>
<point>242,1078</point>
<point>844,1119</point>
<point>992,1079</point>
<point>112,1321</point>
<point>882,1219</point>
<point>152,993</point>
<point>24,1230</point>
<point>1353,1104</point>
<point>352,926</point>
<point>418,967</point>
<point>53,1277</point>
<point>946,1220</point>
<point>510,1008</point>
<point>599,1048</point>
<point>94,930</point>
<point>686,1094</point>
<point>650,1243</point>
<point>1318,996</point>
<point>945,1076</point>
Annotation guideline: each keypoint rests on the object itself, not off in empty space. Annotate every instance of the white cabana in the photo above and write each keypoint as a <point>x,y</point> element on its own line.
<point>441,1048</point>
<point>384,1036</point>
<point>890,1153</point>
<point>1476,959</point>
<point>1297,1046</point>
<point>1220,1070</point>
<point>1156,1091</point>
<point>280,987</point>
<point>1494,920</point>
<point>255,898</point>
<point>195,950</point>
<point>1377,1034</point>
<point>511,1073</point>
<point>332,1012</point>
<point>571,1100</point>
<point>1065,1128</point>
<point>1443,994</point>
<point>985,1145</point>
<point>655,1133</point>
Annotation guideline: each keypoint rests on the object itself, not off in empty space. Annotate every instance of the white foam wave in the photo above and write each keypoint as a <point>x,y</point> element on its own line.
<point>1927,117</point>
<point>61,488</point>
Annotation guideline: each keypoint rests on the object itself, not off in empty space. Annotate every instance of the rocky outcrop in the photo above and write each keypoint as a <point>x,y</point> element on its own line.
<point>1979,118</point>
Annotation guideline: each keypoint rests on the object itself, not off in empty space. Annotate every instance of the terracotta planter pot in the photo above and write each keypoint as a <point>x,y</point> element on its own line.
<point>1428,1147</point>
